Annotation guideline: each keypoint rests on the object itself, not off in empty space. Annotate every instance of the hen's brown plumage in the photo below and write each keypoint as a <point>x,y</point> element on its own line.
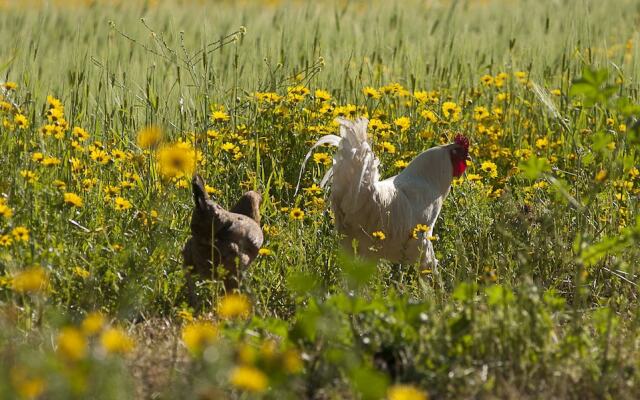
<point>220,237</point>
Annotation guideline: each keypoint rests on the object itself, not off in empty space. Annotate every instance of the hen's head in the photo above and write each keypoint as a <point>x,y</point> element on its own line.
<point>459,155</point>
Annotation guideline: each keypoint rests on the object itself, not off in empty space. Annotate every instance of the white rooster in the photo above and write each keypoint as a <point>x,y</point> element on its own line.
<point>363,204</point>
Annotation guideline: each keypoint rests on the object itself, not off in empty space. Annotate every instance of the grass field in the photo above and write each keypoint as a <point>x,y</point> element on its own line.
<point>108,107</point>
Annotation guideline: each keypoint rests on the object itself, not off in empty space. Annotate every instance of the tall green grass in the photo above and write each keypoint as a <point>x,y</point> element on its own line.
<point>516,310</point>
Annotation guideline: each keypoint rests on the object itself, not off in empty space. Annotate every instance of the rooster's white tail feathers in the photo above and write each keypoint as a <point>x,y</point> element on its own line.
<point>354,164</point>
<point>355,167</point>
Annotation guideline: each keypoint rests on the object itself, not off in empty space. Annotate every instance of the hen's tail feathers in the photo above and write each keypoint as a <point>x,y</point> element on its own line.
<point>354,164</point>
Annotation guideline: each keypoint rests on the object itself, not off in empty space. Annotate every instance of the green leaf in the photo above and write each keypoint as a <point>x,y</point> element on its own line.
<point>465,291</point>
<point>592,88</point>
<point>626,107</point>
<point>600,140</point>
<point>499,295</point>
<point>357,271</point>
<point>369,383</point>
<point>552,299</point>
<point>605,320</point>
<point>302,282</point>
<point>610,245</point>
<point>533,167</point>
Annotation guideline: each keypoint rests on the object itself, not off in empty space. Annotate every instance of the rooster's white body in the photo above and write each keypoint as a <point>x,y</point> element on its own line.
<point>364,204</point>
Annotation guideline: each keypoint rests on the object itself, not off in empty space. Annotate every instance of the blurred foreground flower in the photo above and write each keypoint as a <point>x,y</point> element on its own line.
<point>249,378</point>
<point>149,137</point>
<point>176,160</point>
<point>31,280</point>
<point>234,306</point>
<point>72,344</point>
<point>26,385</point>
<point>196,336</point>
<point>116,341</point>
<point>405,392</point>
<point>93,323</point>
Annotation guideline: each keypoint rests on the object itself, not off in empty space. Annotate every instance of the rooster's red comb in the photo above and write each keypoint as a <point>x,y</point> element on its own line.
<point>462,141</point>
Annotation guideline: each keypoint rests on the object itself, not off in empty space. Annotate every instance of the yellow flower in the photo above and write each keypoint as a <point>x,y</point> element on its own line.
<point>21,234</point>
<point>405,392</point>
<point>99,156</point>
<point>267,97</point>
<point>480,113</point>
<point>379,235</point>
<point>490,168</point>
<point>80,133</point>
<point>264,252</point>
<point>54,103</point>
<point>422,96</point>
<point>116,341</point>
<point>29,176</point>
<point>298,90</point>
<point>5,240</point>
<point>5,211</point>
<point>30,280</point>
<point>81,272</point>
<point>93,323</point>
<point>37,157</point>
<point>322,158</point>
<point>176,160</point>
<point>371,92</point>
<point>296,214</point>
<point>400,164</point>
<point>451,110</point>
<point>601,176</point>
<point>500,79</point>
<point>229,147</point>
<point>522,76</point>
<point>234,306</point>
<point>27,387</point>
<point>72,344</point>
<point>502,96</point>
<point>21,121</point>
<point>5,106</point>
<point>403,123</point>
<point>474,177</point>
<point>292,362</point>
<point>72,199</point>
<point>122,204</point>
<point>213,134</point>
<point>375,125</point>
<point>542,143</point>
<point>487,80</point>
<point>198,335</point>
<point>149,137</point>
<point>218,115</point>
<point>322,95</point>
<point>313,190</point>
<point>249,378</point>
<point>388,147</point>
<point>118,155</point>
<point>50,161</point>
<point>419,230</point>
<point>56,109</point>
<point>10,85</point>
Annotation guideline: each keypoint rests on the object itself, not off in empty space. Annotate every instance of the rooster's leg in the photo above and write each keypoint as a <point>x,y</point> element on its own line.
<point>428,260</point>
